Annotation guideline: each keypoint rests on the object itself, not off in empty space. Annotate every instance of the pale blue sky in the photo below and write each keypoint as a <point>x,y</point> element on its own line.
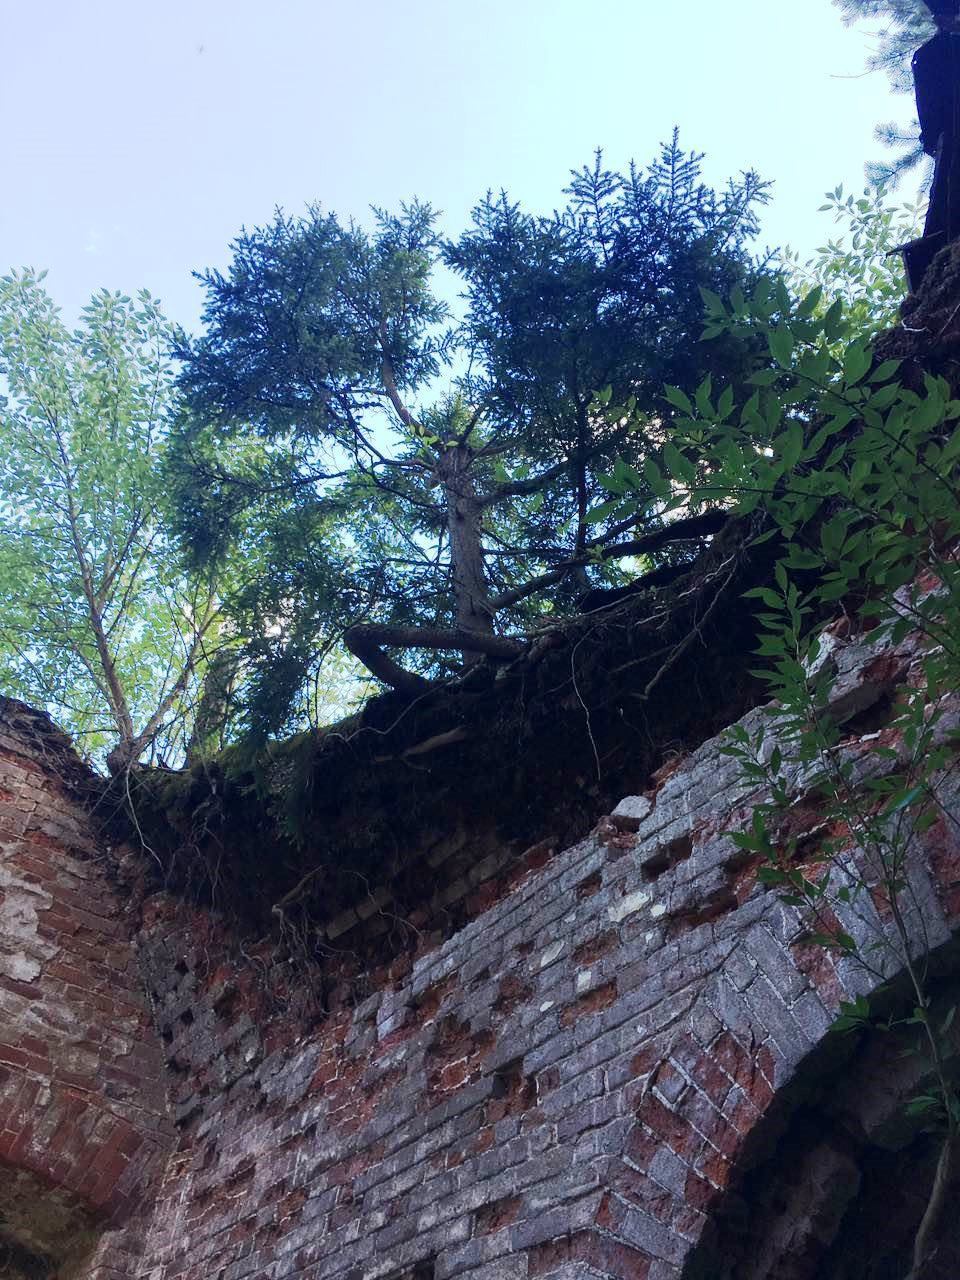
<point>139,137</point>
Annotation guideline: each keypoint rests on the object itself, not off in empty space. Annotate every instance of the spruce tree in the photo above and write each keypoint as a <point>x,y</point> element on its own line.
<point>432,486</point>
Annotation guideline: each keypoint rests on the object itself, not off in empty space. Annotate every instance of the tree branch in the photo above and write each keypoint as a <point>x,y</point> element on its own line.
<point>679,531</point>
<point>367,641</point>
<point>700,526</point>
<point>390,382</point>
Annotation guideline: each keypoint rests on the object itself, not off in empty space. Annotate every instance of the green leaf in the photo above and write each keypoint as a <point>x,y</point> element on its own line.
<point>769,598</point>
<point>780,341</point>
<point>602,512</point>
<point>679,399</point>
<point>856,362</point>
<point>713,303</point>
<point>789,445</point>
<point>702,396</point>
<point>884,371</point>
<point>725,404</point>
<point>762,537</point>
<point>904,801</point>
<point>810,303</point>
<point>679,467</point>
<point>922,1105</point>
<point>612,484</point>
<point>832,321</point>
<point>658,483</point>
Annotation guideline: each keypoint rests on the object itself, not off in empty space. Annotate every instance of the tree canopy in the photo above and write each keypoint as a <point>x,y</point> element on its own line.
<point>429,481</point>
<point>97,622</point>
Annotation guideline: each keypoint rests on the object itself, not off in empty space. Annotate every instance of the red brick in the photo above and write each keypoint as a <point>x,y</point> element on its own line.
<point>698,1192</point>
<point>668,1126</point>
<point>600,998</point>
<point>497,1215</point>
<point>716,1167</point>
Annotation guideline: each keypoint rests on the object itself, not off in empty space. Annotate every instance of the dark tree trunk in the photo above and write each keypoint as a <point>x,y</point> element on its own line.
<point>367,641</point>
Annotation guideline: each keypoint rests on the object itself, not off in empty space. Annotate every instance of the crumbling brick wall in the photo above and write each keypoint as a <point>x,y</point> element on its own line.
<point>571,1081</point>
<point>83,1128</point>
<point>570,1085</point>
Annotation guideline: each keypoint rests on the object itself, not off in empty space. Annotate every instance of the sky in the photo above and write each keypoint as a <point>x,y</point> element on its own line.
<point>139,138</point>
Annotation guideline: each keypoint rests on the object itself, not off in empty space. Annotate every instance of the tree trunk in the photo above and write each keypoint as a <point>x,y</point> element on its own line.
<point>473,612</point>
<point>465,528</point>
<point>214,705</point>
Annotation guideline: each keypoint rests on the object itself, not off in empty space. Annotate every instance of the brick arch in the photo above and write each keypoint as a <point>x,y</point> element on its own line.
<point>752,1043</point>
<point>757,1123</point>
<point>83,1131</point>
<point>834,1177</point>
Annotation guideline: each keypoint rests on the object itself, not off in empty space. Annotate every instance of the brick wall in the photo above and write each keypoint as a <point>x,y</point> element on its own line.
<point>83,1130</point>
<point>567,1086</point>
<point>571,1085</point>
